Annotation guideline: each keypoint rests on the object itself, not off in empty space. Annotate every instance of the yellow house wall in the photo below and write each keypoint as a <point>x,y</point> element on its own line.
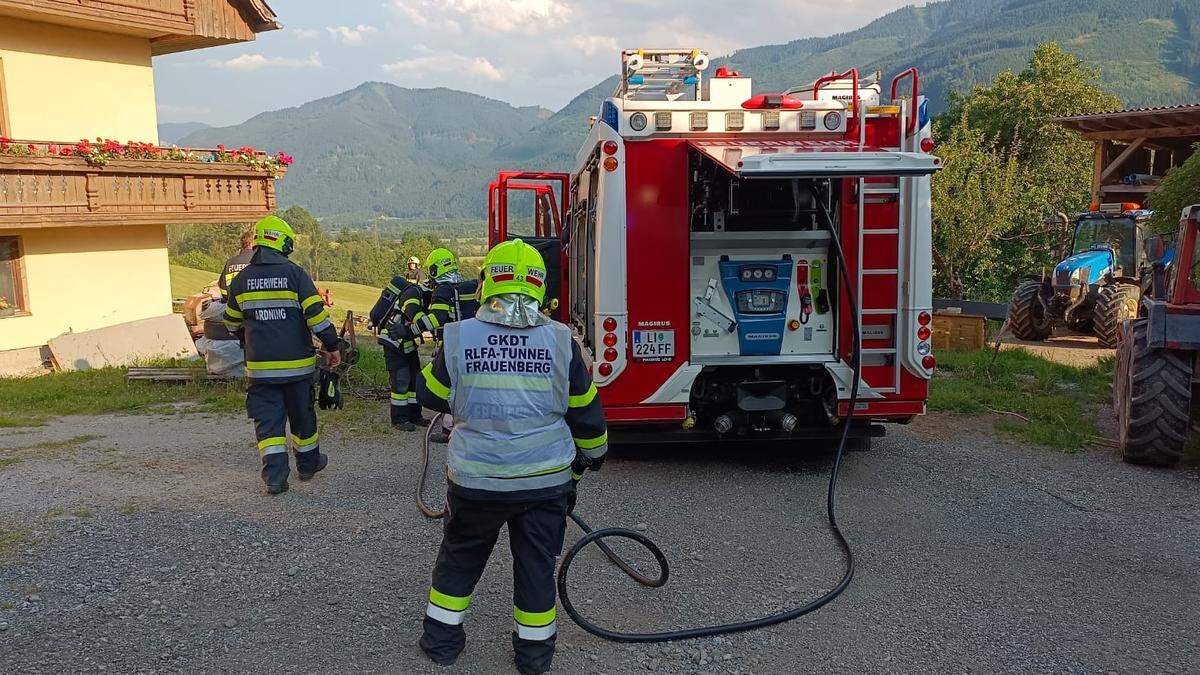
<point>83,278</point>
<point>64,84</point>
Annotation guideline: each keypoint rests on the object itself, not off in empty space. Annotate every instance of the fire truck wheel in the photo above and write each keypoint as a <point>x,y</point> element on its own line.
<point>1026,315</point>
<point>1153,399</point>
<point>1115,304</point>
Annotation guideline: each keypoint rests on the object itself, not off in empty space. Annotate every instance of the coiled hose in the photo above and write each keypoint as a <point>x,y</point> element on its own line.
<point>597,537</point>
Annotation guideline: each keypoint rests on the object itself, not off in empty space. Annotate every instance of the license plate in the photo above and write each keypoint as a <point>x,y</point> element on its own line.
<point>653,345</point>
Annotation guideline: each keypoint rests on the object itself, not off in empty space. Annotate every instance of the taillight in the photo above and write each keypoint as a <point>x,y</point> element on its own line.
<point>924,318</point>
<point>610,324</point>
<point>610,147</point>
<point>605,369</point>
<point>923,333</point>
<point>610,354</point>
<point>927,144</point>
<point>929,362</point>
<point>610,339</point>
<point>610,163</point>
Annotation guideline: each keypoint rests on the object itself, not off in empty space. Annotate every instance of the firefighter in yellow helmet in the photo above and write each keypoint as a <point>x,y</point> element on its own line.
<point>452,296</point>
<point>413,272</point>
<point>527,422</point>
<point>274,310</point>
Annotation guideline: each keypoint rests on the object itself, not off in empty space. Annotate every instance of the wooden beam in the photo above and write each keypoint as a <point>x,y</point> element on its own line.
<point>1130,134</point>
<point>1115,165</point>
<point>1097,167</point>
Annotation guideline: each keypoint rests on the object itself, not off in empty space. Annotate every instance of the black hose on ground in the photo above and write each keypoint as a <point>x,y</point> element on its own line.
<point>597,537</point>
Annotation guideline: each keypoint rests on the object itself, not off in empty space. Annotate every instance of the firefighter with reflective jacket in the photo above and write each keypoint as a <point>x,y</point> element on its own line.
<point>392,316</point>
<point>453,297</point>
<point>527,422</point>
<point>274,310</point>
<point>237,263</point>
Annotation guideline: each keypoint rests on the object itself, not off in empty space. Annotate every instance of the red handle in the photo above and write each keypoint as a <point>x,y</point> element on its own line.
<point>916,79</point>
<point>852,73</point>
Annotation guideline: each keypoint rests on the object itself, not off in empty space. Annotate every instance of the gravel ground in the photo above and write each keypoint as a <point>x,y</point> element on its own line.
<point>151,547</point>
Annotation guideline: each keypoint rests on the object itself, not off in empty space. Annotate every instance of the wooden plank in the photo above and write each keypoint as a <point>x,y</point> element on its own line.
<point>124,344</point>
<point>1180,131</point>
<point>1115,164</point>
<point>1097,167</point>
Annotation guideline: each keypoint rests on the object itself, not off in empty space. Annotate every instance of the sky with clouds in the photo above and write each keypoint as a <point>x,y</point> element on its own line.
<point>526,52</point>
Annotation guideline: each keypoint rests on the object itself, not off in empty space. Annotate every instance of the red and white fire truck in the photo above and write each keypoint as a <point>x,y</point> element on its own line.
<point>692,248</point>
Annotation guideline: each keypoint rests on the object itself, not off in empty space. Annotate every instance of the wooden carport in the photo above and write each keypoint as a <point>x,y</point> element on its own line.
<point>1136,148</point>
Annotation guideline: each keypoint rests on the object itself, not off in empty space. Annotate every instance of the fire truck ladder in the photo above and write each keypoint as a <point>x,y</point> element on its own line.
<point>895,190</point>
<point>661,74</point>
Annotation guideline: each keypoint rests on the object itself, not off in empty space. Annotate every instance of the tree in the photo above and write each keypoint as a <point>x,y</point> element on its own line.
<point>1180,188</point>
<point>1016,167</point>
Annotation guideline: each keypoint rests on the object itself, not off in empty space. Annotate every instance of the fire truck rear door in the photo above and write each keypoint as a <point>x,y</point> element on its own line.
<point>796,158</point>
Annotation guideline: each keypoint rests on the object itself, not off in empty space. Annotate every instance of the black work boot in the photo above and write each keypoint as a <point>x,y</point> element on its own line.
<point>533,657</point>
<point>404,425</point>
<point>275,472</point>
<point>306,473</point>
<point>442,643</point>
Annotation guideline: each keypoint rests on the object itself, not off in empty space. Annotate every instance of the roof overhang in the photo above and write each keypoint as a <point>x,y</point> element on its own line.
<point>1173,122</point>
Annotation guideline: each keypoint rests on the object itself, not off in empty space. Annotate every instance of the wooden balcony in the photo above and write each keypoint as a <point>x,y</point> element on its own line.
<point>171,25</point>
<point>47,191</point>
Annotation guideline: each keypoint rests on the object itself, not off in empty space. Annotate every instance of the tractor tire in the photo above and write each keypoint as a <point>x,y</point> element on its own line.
<point>1115,304</point>
<point>1152,395</point>
<point>1026,315</point>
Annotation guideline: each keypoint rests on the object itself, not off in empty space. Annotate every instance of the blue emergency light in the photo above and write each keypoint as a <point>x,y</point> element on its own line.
<point>758,291</point>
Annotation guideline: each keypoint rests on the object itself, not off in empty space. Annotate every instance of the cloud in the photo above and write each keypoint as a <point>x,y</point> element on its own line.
<point>306,33</point>
<point>249,62</point>
<point>527,17</point>
<point>351,36</point>
<point>437,66</point>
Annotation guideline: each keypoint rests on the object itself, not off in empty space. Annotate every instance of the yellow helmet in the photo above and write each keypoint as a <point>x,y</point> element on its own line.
<point>274,232</point>
<point>440,261</point>
<point>513,267</point>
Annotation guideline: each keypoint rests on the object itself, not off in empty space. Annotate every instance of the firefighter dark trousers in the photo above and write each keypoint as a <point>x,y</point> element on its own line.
<point>535,532</point>
<point>402,375</point>
<point>274,408</point>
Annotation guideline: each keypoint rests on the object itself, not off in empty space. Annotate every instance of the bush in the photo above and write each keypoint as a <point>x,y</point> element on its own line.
<point>198,260</point>
<point>1179,189</point>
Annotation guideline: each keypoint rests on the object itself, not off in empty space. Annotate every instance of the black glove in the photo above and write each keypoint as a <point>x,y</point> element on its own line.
<point>329,393</point>
<point>572,496</point>
<point>596,463</point>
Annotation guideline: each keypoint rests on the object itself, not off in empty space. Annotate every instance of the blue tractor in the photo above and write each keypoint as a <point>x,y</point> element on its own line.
<point>1098,286</point>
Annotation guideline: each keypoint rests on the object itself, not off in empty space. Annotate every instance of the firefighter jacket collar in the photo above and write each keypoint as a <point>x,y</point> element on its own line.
<point>513,310</point>
<point>268,256</point>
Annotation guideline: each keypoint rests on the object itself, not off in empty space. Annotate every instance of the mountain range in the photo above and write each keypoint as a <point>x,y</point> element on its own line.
<point>428,153</point>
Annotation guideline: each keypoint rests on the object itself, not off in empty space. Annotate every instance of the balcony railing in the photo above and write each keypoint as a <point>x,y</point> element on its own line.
<point>44,189</point>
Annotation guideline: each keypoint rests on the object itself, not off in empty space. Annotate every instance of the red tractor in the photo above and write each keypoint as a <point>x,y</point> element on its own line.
<point>1156,363</point>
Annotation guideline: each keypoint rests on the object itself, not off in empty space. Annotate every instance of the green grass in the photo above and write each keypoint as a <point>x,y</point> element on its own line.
<point>1059,401</point>
<point>9,422</point>
<point>186,281</point>
<point>11,538</point>
<point>105,390</point>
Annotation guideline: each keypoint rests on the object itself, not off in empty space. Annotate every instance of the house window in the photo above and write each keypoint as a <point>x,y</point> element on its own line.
<point>12,279</point>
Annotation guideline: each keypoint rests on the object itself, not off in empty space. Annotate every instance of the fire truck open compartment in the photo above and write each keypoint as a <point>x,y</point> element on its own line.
<point>764,297</point>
